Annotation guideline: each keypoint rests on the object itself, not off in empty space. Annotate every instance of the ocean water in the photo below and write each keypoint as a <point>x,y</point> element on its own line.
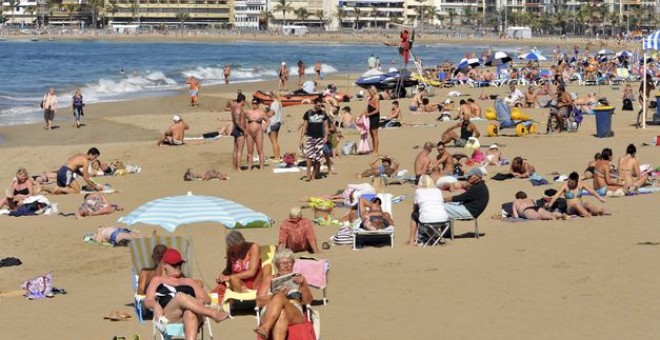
<point>155,69</point>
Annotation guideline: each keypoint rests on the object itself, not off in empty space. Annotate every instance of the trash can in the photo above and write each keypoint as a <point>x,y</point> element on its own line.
<point>656,115</point>
<point>604,121</point>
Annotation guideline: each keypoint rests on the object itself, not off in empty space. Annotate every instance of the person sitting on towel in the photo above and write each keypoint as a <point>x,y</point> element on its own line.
<point>297,233</point>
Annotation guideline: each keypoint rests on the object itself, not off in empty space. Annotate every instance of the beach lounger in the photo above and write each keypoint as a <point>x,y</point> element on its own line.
<point>267,254</point>
<point>141,250</point>
<point>358,232</point>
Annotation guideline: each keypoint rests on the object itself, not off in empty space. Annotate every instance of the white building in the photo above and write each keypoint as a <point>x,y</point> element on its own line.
<point>247,14</point>
<point>360,14</point>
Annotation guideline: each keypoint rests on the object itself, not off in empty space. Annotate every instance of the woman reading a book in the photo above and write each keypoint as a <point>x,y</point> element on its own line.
<point>282,298</point>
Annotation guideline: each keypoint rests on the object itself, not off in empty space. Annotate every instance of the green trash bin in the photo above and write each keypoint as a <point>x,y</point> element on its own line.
<point>604,121</point>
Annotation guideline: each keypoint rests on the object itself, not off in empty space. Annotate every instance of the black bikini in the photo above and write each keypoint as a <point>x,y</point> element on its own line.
<point>165,293</point>
<point>374,120</point>
<point>23,192</point>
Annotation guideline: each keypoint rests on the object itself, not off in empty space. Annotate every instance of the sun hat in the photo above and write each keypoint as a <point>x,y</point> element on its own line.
<point>176,118</point>
<point>493,146</point>
<point>295,212</point>
<point>172,257</point>
<point>283,63</point>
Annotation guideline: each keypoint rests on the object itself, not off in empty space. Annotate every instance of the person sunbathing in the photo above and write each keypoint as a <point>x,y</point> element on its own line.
<point>629,170</point>
<point>475,109</point>
<point>428,107</point>
<point>179,299</point>
<point>445,160</point>
<point>526,208</point>
<point>243,270</point>
<point>589,171</point>
<point>416,102</point>
<point>604,181</point>
<point>493,155</point>
<point>116,236</point>
<point>282,314</point>
<point>572,191</point>
<point>22,187</point>
<point>393,119</point>
<point>467,130</point>
<point>521,168</point>
<point>190,175</point>
<point>95,204</point>
<point>389,166</point>
<point>175,134</point>
<point>373,216</point>
<point>147,274</point>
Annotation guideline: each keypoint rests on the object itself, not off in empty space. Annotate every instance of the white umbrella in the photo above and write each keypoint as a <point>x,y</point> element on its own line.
<point>605,52</point>
<point>171,212</point>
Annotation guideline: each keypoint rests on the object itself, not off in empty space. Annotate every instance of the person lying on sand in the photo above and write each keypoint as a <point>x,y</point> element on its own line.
<point>96,204</point>
<point>493,155</point>
<point>190,175</point>
<point>117,236</point>
<point>526,208</point>
<point>589,171</point>
<point>388,167</point>
<point>521,168</point>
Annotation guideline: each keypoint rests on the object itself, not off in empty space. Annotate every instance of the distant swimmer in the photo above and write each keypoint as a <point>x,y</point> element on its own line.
<point>76,165</point>
<point>226,72</point>
<point>194,90</point>
<point>122,73</point>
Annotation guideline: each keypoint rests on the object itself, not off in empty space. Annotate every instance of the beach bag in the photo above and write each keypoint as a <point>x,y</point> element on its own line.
<point>627,105</point>
<point>289,159</point>
<point>39,287</point>
<point>349,148</point>
<point>344,236</point>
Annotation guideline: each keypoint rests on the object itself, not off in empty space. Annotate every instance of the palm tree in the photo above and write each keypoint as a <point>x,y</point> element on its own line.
<point>283,6</point>
<point>71,8</point>
<point>94,7</point>
<point>358,13</point>
<point>319,13</point>
<point>266,16</point>
<point>469,14</point>
<point>340,15</point>
<point>112,8</point>
<point>452,15</point>
<point>420,13</point>
<point>302,13</point>
<point>3,19</point>
<point>29,10</point>
<point>428,14</point>
<point>374,13</point>
<point>182,17</point>
<point>12,5</point>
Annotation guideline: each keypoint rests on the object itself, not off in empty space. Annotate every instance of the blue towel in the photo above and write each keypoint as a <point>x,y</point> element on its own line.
<point>537,180</point>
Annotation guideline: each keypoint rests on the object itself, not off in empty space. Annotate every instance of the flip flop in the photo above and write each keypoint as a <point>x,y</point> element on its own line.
<point>118,316</point>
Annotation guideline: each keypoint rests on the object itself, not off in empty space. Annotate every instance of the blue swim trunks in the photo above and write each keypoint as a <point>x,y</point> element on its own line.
<point>65,177</point>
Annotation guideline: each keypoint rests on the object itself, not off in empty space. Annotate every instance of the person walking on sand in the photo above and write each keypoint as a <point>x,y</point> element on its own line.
<point>238,119</point>
<point>317,70</point>
<point>77,106</point>
<point>255,119</point>
<point>301,72</point>
<point>175,133</point>
<point>283,74</point>
<point>77,164</point>
<point>194,90</point>
<point>314,135</point>
<point>49,104</point>
<point>226,71</point>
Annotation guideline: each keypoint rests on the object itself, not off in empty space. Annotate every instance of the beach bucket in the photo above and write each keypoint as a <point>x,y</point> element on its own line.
<point>490,114</point>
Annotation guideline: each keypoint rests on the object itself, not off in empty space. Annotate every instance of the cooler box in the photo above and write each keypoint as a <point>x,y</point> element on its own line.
<point>604,121</point>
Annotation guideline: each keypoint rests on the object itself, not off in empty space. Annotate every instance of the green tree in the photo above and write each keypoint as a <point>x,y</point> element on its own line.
<point>182,17</point>
<point>358,13</point>
<point>135,10</point>
<point>438,16</point>
<point>94,7</point>
<point>112,8</point>
<point>302,13</point>
<point>283,6</point>
<point>71,8</point>
<point>469,14</point>
<point>340,15</point>
<point>266,16</point>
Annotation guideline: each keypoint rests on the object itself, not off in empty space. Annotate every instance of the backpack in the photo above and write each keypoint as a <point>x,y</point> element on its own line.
<point>627,105</point>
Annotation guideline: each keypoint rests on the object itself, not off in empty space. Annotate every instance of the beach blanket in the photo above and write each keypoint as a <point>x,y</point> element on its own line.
<point>314,271</point>
<point>286,170</point>
<point>538,180</point>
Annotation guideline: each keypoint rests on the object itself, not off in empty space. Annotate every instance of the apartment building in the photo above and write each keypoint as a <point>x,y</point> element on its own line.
<point>372,13</point>
<point>158,13</point>
<point>247,14</point>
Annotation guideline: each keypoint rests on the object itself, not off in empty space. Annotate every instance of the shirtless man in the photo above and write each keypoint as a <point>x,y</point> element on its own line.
<point>417,102</point>
<point>531,98</point>
<point>77,164</point>
<point>423,161</point>
<point>394,115</point>
<point>475,109</point>
<point>463,109</point>
<point>226,72</point>
<point>331,103</point>
<point>238,119</point>
<point>628,169</point>
<point>347,121</point>
<point>317,70</point>
<point>444,160</point>
<point>468,129</point>
<point>255,120</point>
<point>388,167</point>
<point>175,133</point>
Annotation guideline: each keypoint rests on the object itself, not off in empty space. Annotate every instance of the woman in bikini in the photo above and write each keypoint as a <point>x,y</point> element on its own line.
<point>282,314</point>
<point>589,171</point>
<point>373,217</point>
<point>603,179</point>
<point>243,269</point>
<point>96,204</point>
<point>629,170</point>
<point>521,168</point>
<point>572,191</point>
<point>256,119</point>
<point>22,187</point>
<point>526,208</point>
<point>177,298</point>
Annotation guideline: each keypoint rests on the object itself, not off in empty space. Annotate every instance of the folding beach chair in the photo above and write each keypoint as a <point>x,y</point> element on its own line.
<point>386,206</point>
<point>267,254</point>
<point>141,250</point>
<point>476,226</point>
<point>432,234</point>
<point>315,273</point>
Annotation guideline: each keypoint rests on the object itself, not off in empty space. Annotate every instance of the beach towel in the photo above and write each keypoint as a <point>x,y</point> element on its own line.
<point>314,271</point>
<point>538,180</point>
<point>362,124</point>
<point>39,287</point>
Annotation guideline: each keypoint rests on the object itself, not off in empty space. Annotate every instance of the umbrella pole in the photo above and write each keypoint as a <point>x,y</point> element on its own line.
<point>644,105</point>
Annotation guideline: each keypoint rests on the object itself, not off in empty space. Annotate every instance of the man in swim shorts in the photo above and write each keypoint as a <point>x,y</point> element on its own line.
<point>314,135</point>
<point>76,165</point>
<point>226,72</point>
<point>238,119</point>
<point>175,133</point>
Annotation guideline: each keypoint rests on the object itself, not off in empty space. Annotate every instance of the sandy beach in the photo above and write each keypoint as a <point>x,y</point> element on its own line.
<point>592,278</point>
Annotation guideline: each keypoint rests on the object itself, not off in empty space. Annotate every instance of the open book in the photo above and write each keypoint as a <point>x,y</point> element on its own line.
<point>285,281</point>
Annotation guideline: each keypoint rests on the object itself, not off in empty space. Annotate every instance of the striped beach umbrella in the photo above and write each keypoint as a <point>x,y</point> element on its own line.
<point>532,56</point>
<point>498,58</point>
<point>464,63</point>
<point>171,212</point>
